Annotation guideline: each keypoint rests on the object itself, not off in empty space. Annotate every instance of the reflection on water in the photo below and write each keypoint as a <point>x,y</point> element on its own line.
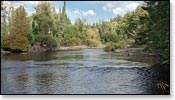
<point>89,71</point>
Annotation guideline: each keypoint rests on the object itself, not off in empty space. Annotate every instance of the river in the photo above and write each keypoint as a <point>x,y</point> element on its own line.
<point>87,71</point>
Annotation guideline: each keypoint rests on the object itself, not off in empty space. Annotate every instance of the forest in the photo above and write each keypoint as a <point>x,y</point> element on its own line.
<point>148,26</point>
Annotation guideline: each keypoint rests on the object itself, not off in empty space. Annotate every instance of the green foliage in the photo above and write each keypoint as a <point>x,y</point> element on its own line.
<point>111,46</point>
<point>147,25</point>
<point>46,40</point>
<point>92,37</point>
<point>70,37</point>
<point>91,43</point>
<point>4,29</point>
<point>50,28</point>
<point>156,33</point>
<point>15,43</point>
<point>123,29</point>
<point>31,38</point>
<point>19,24</point>
<point>45,19</point>
<point>31,35</point>
<point>4,16</point>
<point>112,37</point>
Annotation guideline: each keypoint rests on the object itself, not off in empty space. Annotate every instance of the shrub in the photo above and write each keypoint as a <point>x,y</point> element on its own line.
<point>47,40</point>
<point>91,43</point>
<point>31,38</point>
<point>51,41</point>
<point>15,43</point>
<point>111,46</point>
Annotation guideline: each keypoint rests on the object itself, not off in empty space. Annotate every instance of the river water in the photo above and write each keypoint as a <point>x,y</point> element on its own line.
<point>87,71</point>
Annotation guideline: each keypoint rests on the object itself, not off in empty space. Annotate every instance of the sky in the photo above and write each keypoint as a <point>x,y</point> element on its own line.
<point>92,11</point>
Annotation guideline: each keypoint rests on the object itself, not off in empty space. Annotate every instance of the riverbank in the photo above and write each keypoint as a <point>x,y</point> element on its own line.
<point>39,48</point>
<point>77,48</point>
<point>4,52</point>
<point>134,52</point>
<point>125,52</point>
<point>65,48</point>
<point>119,52</point>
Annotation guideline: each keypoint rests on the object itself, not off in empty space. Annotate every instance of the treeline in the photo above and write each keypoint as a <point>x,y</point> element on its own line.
<point>156,34</point>
<point>147,26</point>
<point>46,27</point>
<point>121,31</point>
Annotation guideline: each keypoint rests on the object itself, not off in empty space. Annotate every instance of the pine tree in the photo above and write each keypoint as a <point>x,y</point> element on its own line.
<point>44,25</point>
<point>19,25</point>
<point>156,34</point>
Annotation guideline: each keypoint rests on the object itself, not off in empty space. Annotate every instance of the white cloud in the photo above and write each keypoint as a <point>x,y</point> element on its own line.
<point>6,3</point>
<point>120,7</point>
<point>131,6</point>
<point>89,13</point>
<point>31,12</point>
<point>76,12</point>
<point>107,20</point>
<point>57,10</point>
<point>118,11</point>
<point>108,7</point>
<point>18,4</point>
<point>14,4</point>
<point>31,3</point>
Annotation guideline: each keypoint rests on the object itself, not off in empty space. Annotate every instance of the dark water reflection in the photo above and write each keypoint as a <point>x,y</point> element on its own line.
<point>89,71</point>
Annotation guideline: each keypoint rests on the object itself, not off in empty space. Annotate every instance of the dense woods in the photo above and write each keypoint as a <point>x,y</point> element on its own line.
<point>147,26</point>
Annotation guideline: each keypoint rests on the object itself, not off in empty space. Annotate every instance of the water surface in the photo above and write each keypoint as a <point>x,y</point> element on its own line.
<point>88,71</point>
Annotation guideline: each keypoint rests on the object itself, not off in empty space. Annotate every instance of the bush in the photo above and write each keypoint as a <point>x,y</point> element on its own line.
<point>115,45</point>
<point>31,38</point>
<point>70,40</point>
<point>111,46</point>
<point>15,43</point>
<point>47,40</point>
<point>91,43</point>
<point>51,41</point>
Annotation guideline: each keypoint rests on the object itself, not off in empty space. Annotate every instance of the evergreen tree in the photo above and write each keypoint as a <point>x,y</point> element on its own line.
<point>44,19</point>
<point>156,33</point>
<point>19,25</point>
<point>64,20</point>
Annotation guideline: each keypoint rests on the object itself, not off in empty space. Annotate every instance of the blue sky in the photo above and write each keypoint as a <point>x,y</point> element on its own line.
<point>92,11</point>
